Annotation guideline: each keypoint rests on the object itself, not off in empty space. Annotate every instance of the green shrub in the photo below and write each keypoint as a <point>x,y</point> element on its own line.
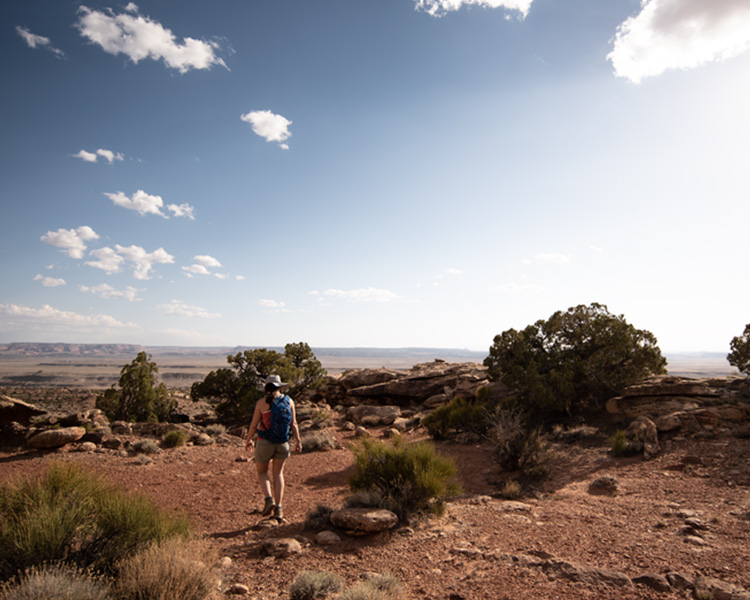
<point>364,499</point>
<point>310,585</point>
<point>55,582</point>
<point>618,443</point>
<point>318,518</point>
<point>71,516</point>
<point>175,569</point>
<point>457,416</point>
<point>412,479</point>
<point>174,438</point>
<point>517,445</point>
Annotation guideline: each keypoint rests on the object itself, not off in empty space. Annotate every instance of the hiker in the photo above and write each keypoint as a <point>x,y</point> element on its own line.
<point>274,419</point>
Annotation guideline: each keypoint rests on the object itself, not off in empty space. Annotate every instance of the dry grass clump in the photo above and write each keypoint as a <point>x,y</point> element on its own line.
<point>511,489</point>
<point>318,518</point>
<point>517,445</point>
<point>175,569</point>
<point>145,447</point>
<point>375,587</point>
<point>311,585</point>
<point>318,440</point>
<point>55,582</point>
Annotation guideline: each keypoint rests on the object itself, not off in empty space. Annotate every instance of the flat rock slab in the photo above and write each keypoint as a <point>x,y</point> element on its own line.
<point>361,521</point>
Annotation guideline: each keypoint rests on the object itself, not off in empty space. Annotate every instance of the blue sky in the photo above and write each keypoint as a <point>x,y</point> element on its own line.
<point>383,173</point>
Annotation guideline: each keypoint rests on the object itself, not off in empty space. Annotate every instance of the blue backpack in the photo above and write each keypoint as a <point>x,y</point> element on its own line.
<point>281,420</point>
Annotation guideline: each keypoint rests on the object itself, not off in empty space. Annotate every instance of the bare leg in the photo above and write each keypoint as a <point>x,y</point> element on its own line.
<point>278,480</point>
<point>263,479</point>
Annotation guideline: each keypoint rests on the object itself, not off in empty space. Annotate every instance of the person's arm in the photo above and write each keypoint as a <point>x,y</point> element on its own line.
<point>253,425</point>
<point>295,428</point>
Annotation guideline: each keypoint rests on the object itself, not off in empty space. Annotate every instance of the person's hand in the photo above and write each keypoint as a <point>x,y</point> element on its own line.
<point>298,445</point>
<point>249,445</point>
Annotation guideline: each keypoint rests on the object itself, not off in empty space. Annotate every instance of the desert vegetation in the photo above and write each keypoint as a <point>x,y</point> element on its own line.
<point>69,534</point>
<point>234,391</point>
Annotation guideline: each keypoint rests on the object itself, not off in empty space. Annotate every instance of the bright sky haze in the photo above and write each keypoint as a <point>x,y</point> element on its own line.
<point>390,173</point>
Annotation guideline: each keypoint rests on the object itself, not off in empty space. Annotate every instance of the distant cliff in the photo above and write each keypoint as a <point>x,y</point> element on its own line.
<point>41,349</point>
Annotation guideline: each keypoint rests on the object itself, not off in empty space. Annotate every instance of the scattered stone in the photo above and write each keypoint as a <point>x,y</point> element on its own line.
<point>327,538</point>
<point>113,443</point>
<point>225,562</point>
<point>717,589</point>
<point>282,547</point>
<point>361,432</point>
<point>87,447</point>
<point>604,486</point>
<point>17,410</point>
<point>642,434</point>
<point>657,582</point>
<point>589,575</point>
<point>385,415</point>
<point>238,589</point>
<point>679,580</point>
<point>362,521</point>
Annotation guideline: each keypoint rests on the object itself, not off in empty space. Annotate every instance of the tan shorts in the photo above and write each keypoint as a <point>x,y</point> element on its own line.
<point>265,451</point>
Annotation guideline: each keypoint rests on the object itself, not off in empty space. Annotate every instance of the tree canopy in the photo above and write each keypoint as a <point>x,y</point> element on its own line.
<point>740,351</point>
<point>140,397</point>
<point>234,391</point>
<point>573,360</point>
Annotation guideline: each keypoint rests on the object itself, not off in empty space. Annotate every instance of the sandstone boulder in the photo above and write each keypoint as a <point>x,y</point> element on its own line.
<point>54,438</point>
<point>363,521</point>
<point>13,410</point>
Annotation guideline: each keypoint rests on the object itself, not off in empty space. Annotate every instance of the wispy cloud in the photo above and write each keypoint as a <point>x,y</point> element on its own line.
<point>12,315</point>
<point>49,281</point>
<point>182,210</point>
<point>274,128</point>
<point>92,157</point>
<point>139,38</point>
<point>107,292</point>
<point>201,265</point>
<point>149,204</point>
<point>38,41</point>
<point>679,34</point>
<point>112,261</point>
<point>438,8</point>
<point>71,241</point>
<point>363,295</point>
<point>274,305</point>
<point>180,309</point>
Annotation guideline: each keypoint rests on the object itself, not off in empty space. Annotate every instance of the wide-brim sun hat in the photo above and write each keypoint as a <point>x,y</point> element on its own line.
<point>275,381</point>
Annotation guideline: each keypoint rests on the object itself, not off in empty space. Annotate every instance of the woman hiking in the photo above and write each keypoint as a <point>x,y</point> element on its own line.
<point>274,419</point>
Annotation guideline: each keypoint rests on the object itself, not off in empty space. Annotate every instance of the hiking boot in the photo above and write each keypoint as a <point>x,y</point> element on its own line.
<point>268,508</point>
<point>278,513</point>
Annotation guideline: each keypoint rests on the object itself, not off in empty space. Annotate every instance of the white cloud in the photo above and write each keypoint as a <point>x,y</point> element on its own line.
<point>206,260</point>
<point>38,41</point>
<point>139,37</point>
<point>143,261</point>
<point>221,275</point>
<point>108,292</point>
<point>240,277</point>
<point>111,261</point>
<point>86,156</point>
<point>107,260</point>
<point>108,155</point>
<point>196,270</point>
<point>49,281</point>
<point>71,241</point>
<point>274,128</point>
<point>16,314</point>
<point>679,34</point>
<point>558,259</point>
<point>140,201</point>
<point>182,210</point>
<point>180,309</point>
<point>438,8</point>
<point>597,249</point>
<point>201,264</point>
<point>271,304</point>
<point>363,295</point>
